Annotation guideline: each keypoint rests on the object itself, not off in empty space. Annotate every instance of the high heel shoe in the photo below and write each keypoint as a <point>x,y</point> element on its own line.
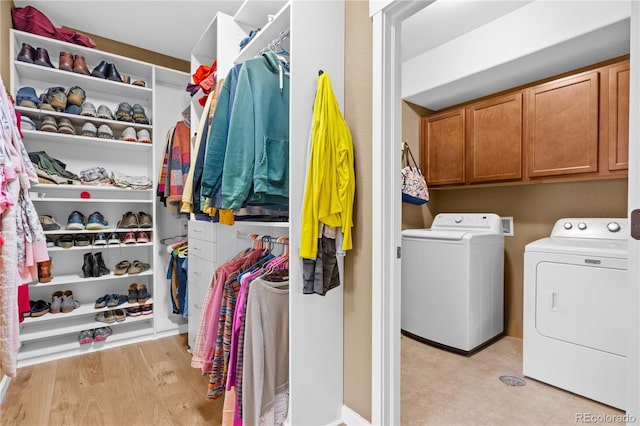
<point>88,265</point>
<point>101,268</point>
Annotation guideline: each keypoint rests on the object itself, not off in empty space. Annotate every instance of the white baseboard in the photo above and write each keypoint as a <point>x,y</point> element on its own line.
<point>351,418</point>
<point>4,386</point>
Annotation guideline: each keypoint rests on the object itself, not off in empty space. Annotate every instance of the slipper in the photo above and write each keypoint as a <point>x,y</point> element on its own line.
<point>66,241</point>
<point>122,267</point>
<point>101,302</point>
<point>138,266</point>
<point>38,308</point>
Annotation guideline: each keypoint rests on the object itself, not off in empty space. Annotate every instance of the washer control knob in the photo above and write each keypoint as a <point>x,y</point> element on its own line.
<point>568,225</point>
<point>613,226</point>
<point>458,219</point>
<point>582,226</point>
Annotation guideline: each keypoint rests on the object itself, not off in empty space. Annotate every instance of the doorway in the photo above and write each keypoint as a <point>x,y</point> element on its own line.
<point>387,212</point>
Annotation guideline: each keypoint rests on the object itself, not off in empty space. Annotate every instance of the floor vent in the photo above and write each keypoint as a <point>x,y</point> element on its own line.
<point>512,381</point>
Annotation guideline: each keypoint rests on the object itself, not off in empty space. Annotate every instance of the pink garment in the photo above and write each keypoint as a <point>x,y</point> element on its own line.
<point>23,300</point>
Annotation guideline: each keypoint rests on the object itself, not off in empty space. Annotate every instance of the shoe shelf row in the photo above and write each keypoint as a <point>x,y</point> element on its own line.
<point>105,231</point>
<point>78,278</point>
<point>92,200</point>
<point>47,329</point>
<point>97,248</point>
<point>53,187</point>
<point>37,114</point>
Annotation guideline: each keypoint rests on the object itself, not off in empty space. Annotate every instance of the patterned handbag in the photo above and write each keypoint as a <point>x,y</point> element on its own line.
<point>414,185</point>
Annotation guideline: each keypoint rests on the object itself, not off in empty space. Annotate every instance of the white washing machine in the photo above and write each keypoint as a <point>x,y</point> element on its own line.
<point>576,308</point>
<point>453,280</point>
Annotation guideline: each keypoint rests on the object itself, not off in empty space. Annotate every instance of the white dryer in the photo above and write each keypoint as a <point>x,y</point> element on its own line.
<point>576,308</point>
<point>453,280</point>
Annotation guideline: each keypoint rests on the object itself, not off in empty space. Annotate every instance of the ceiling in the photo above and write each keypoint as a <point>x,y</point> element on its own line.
<point>173,27</point>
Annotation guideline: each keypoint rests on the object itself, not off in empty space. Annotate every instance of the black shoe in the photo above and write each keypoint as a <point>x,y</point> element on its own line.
<point>113,74</point>
<point>100,71</point>
<point>101,268</point>
<point>88,266</point>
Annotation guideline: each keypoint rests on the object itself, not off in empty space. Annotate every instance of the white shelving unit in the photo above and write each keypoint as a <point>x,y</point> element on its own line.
<point>52,336</point>
<point>316,322</point>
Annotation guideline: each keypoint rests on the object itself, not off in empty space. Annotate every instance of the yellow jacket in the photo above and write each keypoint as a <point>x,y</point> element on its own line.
<point>330,184</point>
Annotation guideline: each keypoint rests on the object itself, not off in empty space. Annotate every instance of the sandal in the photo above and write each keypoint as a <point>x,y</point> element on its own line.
<point>138,266</point>
<point>38,308</point>
<point>143,294</point>
<point>122,267</point>
<point>133,293</point>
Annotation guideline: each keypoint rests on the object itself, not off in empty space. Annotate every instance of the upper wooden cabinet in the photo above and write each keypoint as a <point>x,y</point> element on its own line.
<point>442,147</point>
<point>563,126</point>
<point>494,139</point>
<point>575,126</point>
<point>619,116</point>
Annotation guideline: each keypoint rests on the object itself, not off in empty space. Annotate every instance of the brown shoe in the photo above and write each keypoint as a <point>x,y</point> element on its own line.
<point>128,221</point>
<point>66,61</point>
<point>144,220</point>
<point>42,58</point>
<point>80,66</point>
<point>44,271</point>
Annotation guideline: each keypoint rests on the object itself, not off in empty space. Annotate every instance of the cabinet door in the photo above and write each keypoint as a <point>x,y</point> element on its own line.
<point>619,117</point>
<point>494,139</point>
<point>442,147</point>
<point>563,126</point>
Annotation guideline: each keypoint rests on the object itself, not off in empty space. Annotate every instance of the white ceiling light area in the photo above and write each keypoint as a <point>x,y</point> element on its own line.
<point>169,27</point>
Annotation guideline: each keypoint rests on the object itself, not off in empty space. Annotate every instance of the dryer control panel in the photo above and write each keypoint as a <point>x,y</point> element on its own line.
<point>596,228</point>
<point>484,222</point>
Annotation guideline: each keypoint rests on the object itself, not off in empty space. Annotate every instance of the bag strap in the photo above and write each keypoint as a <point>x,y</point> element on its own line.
<point>406,151</point>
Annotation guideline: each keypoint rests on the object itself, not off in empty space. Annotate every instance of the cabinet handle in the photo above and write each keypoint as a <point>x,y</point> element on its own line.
<point>197,230</point>
<point>197,273</point>
<point>196,248</point>
<point>554,301</point>
<point>197,306</point>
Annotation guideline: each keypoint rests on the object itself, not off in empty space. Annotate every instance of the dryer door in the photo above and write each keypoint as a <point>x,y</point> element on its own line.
<point>584,305</point>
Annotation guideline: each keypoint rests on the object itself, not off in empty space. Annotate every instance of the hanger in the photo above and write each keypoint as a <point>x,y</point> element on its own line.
<point>167,241</point>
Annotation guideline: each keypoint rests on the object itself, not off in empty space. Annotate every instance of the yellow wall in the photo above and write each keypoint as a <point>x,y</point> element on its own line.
<point>357,289</point>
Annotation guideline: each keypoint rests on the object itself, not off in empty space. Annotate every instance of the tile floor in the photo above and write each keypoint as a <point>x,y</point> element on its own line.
<point>443,388</point>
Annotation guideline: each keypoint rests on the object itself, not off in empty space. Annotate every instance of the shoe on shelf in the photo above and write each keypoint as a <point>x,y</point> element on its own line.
<point>114,238</point>
<point>27,97</point>
<point>132,297</point>
<point>50,243</point>
<point>144,220</point>
<point>68,304</point>
<point>79,65</point>
<point>81,240</point>
<point>85,337</point>
<point>122,267</point>
<point>27,53</point>
<point>105,132</point>
<point>100,267</point>
<point>75,221</point>
<point>57,98</point>
<point>88,129</point>
<point>88,109</point>
<point>143,294</point>
<point>104,112</point>
<point>100,240</point>
<point>123,113</point>
<point>139,115</point>
<point>106,316</point>
<point>96,221</point>
<point>65,241</point>
<point>119,315</point>
<point>101,334</point>
<point>42,58</point>
<point>56,302</point>
<point>113,74</point>
<point>66,61</point>
<point>76,95</point>
<point>49,124</point>
<point>44,271</point>
<point>65,126</point>
<point>129,221</point>
<point>144,136</point>
<point>139,83</point>
<point>89,266</point>
<point>134,311</point>
<point>129,238</point>
<point>49,223</point>
<point>129,134</point>
<point>138,267</point>
<point>38,308</point>
<point>142,237</point>
<point>101,301</point>
<point>26,123</point>
<point>73,109</point>
<point>100,70</point>
<point>146,309</point>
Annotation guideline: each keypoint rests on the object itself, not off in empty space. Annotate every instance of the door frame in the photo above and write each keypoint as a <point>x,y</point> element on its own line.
<point>386,203</point>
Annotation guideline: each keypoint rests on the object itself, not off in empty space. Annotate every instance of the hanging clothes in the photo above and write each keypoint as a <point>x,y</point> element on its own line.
<point>23,240</point>
<point>329,192</point>
<point>175,166</point>
<point>177,275</point>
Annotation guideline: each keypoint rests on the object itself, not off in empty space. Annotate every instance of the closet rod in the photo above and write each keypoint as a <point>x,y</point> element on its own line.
<point>260,237</point>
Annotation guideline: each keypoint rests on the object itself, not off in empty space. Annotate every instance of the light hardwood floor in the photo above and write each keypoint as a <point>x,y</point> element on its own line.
<point>150,383</point>
<point>442,388</point>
